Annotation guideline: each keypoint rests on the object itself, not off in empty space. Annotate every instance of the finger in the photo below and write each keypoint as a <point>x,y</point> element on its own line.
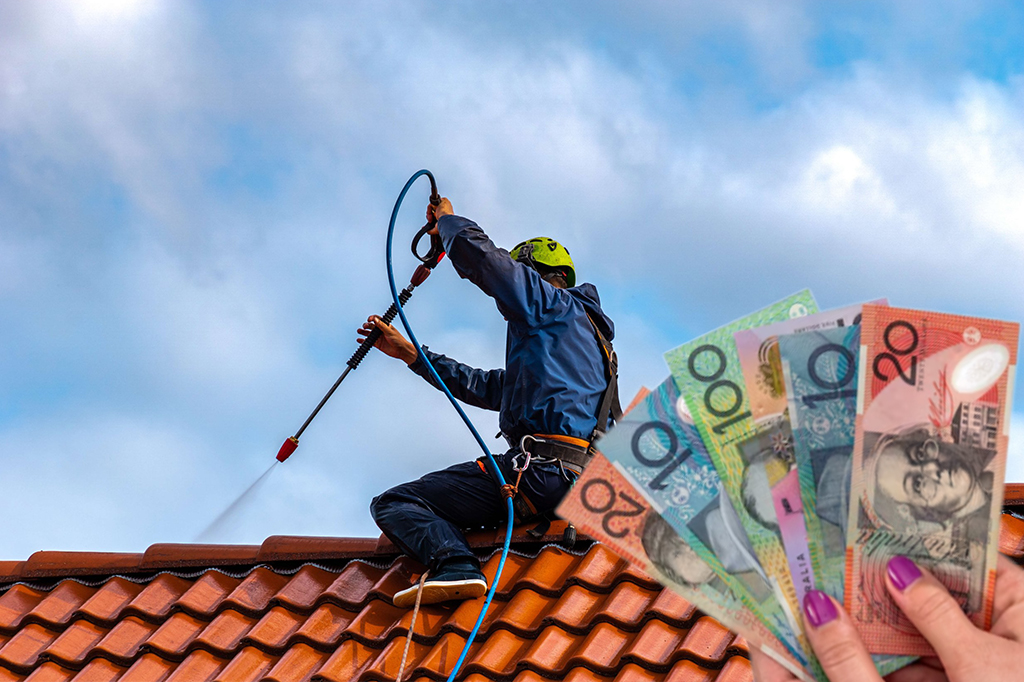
<point>1008,608</point>
<point>929,606</point>
<point>836,643</point>
<point>918,672</point>
<point>767,670</point>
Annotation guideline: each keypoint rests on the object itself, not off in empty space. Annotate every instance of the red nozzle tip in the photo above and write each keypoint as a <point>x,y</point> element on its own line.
<point>287,449</point>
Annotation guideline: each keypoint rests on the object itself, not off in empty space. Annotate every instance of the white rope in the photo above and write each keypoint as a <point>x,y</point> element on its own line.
<point>412,626</point>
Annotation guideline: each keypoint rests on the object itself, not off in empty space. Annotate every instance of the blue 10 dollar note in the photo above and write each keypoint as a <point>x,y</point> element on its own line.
<point>820,371</point>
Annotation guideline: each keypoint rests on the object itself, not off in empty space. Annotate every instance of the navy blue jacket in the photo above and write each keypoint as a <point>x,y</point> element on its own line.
<point>554,373</point>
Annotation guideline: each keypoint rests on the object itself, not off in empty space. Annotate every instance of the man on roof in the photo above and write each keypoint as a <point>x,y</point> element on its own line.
<point>558,390</point>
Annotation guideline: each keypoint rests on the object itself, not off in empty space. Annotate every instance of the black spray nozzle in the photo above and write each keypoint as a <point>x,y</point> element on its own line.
<point>436,252</point>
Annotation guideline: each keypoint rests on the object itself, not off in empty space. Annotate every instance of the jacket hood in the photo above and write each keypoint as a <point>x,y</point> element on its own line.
<point>586,294</point>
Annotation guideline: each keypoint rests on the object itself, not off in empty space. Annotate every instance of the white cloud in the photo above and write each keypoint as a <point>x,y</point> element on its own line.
<point>175,308</point>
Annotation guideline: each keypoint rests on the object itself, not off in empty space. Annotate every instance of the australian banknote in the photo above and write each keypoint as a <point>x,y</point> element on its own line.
<point>758,351</point>
<point>745,453</point>
<point>929,460</point>
<point>820,372</point>
<point>604,505</point>
<point>658,451</point>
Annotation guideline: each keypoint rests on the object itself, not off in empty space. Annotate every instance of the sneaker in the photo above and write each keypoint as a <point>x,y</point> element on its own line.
<point>447,585</point>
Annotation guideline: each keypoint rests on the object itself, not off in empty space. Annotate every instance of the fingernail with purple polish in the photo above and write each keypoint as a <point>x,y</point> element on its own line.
<point>819,608</point>
<point>902,572</point>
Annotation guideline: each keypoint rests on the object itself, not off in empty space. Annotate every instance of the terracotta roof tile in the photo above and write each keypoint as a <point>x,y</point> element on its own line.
<point>274,629</point>
<point>173,637</point>
<point>324,627</point>
<point>254,593</point>
<point>207,593</point>
<point>499,653</point>
<point>1011,536</point>
<point>97,670</point>
<point>22,651</point>
<point>10,676</point>
<point>16,603</point>
<point>304,589</point>
<point>347,662</point>
<point>225,632</point>
<point>248,665</point>
<point>627,604</point>
<point>199,666</point>
<point>123,641</point>
<point>75,643</point>
<point>157,597</point>
<point>51,672</point>
<point>57,607</point>
<point>149,668</point>
<point>285,613</point>
<point>297,665</point>
<point>106,605</point>
<point>736,669</point>
<point>688,671</point>
<point>603,647</point>
<point>575,609</point>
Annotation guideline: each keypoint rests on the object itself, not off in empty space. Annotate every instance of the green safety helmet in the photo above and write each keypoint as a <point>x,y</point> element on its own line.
<point>548,253</point>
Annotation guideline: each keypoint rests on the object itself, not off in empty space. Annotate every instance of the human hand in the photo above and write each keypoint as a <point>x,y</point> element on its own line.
<point>390,342</point>
<point>435,213</point>
<point>964,653</point>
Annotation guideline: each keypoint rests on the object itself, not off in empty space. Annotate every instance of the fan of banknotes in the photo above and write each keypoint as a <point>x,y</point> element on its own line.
<point>794,449</point>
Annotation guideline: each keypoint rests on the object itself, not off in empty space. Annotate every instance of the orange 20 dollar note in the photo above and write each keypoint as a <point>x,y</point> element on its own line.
<point>929,459</point>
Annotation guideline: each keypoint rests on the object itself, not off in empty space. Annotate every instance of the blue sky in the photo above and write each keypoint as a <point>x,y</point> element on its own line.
<point>194,198</point>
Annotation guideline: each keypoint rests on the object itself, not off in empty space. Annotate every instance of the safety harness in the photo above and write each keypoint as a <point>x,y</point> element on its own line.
<point>572,454</point>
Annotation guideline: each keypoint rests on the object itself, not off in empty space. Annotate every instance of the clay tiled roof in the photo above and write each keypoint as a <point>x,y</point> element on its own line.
<point>320,609</point>
<point>297,609</point>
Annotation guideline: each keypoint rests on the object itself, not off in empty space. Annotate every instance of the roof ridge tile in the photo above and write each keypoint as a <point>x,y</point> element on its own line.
<point>180,555</point>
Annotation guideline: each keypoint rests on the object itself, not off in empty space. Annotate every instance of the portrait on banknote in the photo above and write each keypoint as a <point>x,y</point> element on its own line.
<point>832,468</point>
<point>925,479</point>
<point>719,527</point>
<point>767,459</point>
<point>670,554</point>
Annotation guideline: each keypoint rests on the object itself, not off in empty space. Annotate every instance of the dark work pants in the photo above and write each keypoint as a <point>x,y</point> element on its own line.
<point>425,517</point>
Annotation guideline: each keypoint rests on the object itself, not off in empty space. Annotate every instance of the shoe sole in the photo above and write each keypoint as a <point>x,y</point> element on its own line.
<point>439,591</point>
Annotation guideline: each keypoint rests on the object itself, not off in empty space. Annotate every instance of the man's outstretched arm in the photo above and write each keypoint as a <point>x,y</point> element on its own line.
<point>476,387</point>
<point>522,296</point>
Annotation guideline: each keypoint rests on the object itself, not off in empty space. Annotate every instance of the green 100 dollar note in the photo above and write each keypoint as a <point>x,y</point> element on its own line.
<point>709,376</point>
<point>820,372</point>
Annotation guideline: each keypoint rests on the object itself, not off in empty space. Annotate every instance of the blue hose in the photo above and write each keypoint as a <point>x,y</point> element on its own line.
<point>458,408</point>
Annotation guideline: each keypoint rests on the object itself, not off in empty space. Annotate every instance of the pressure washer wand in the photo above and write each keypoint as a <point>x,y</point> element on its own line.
<point>427,263</point>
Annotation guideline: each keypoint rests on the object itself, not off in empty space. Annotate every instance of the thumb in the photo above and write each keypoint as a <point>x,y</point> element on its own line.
<point>934,612</point>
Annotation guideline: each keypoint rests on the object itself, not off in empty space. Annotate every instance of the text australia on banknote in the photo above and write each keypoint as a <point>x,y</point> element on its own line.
<point>708,374</point>
<point>929,460</point>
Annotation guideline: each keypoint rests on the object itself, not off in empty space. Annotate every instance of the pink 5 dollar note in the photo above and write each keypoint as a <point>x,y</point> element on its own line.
<point>929,459</point>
